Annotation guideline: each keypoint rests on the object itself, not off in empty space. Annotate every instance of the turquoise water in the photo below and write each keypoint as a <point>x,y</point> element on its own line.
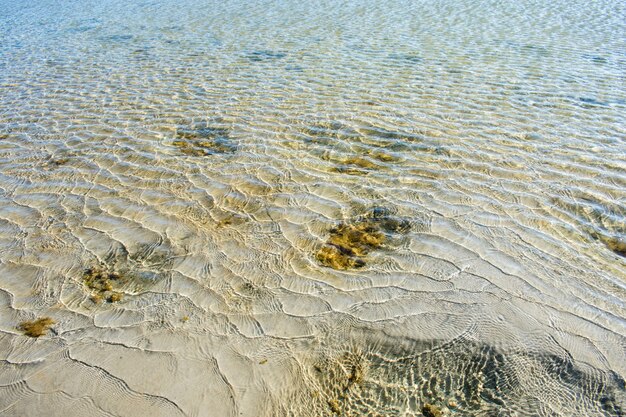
<point>313,208</point>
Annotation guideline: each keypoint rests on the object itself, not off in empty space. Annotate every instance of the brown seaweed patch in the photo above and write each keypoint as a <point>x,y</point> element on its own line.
<point>60,161</point>
<point>354,165</point>
<point>328,133</point>
<point>615,244</point>
<point>338,258</point>
<point>232,219</point>
<point>360,162</point>
<point>348,170</point>
<point>102,283</point>
<point>114,297</point>
<point>334,406</point>
<point>429,410</point>
<point>383,135</point>
<point>371,152</point>
<point>384,156</point>
<point>204,141</point>
<point>350,242</point>
<point>37,327</point>
<point>360,237</point>
<point>56,162</point>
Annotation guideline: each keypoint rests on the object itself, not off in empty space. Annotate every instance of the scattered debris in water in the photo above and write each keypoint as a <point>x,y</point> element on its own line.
<point>333,404</point>
<point>37,327</point>
<point>340,377</point>
<point>101,283</point>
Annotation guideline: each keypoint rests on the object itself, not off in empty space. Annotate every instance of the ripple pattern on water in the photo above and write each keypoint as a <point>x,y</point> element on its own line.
<point>198,156</point>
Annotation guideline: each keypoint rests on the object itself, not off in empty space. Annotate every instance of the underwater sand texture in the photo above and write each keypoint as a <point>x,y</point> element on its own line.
<point>170,172</point>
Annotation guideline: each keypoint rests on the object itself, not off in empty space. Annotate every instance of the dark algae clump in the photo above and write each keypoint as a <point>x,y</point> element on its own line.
<point>37,327</point>
<point>349,242</point>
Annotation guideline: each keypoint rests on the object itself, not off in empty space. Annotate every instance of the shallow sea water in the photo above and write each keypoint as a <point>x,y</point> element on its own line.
<point>280,208</point>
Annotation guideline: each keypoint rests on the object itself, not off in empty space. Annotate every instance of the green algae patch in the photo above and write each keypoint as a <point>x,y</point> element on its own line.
<point>102,285</point>
<point>204,141</point>
<point>37,327</point>
<point>350,242</point>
